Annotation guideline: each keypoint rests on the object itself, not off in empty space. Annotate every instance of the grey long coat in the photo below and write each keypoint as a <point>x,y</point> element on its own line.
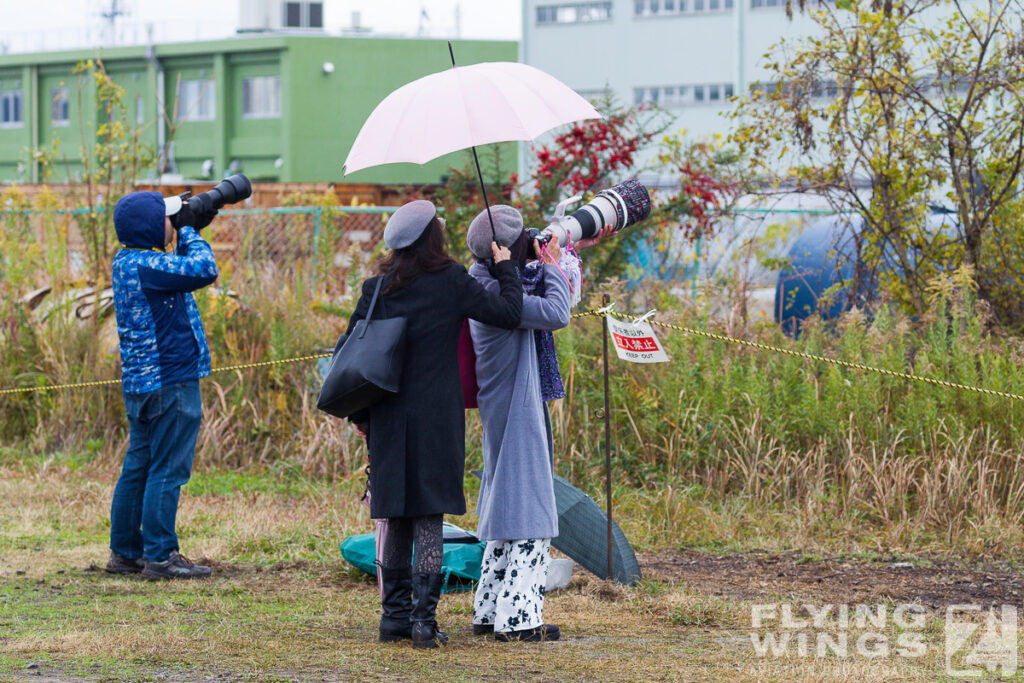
<point>417,437</point>
<point>517,497</point>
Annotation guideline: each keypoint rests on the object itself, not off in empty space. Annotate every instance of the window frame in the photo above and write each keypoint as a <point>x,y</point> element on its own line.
<point>257,88</point>
<point>549,15</point>
<point>305,13</point>
<point>13,96</point>
<point>64,103</point>
<point>309,14</point>
<point>652,9</point>
<point>285,9</point>
<point>205,89</point>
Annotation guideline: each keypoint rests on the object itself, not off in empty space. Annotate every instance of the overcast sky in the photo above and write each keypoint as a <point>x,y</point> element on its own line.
<point>56,24</point>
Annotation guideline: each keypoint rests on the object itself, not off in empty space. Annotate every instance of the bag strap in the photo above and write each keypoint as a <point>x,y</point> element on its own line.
<point>373,304</point>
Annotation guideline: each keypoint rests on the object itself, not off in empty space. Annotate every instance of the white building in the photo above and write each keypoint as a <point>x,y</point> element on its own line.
<point>689,56</point>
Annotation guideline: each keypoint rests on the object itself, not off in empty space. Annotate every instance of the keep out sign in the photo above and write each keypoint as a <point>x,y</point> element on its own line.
<point>636,342</point>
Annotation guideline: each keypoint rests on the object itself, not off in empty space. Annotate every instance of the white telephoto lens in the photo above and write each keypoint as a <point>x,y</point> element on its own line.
<point>558,230</point>
<point>586,221</point>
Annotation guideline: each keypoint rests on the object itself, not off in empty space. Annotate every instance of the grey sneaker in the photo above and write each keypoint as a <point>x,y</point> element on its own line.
<point>177,566</point>
<point>119,564</point>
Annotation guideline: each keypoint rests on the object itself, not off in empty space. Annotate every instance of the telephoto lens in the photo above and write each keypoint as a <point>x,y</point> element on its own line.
<point>229,191</point>
<point>621,206</point>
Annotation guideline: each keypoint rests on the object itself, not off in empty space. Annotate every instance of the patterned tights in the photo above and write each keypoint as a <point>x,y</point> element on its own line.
<point>427,534</point>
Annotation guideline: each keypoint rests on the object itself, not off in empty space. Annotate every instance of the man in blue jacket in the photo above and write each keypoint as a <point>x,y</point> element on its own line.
<point>163,355</point>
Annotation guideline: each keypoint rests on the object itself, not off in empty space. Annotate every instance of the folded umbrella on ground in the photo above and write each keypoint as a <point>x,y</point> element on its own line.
<point>583,535</point>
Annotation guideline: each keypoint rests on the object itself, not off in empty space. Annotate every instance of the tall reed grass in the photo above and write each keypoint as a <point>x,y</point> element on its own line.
<point>719,425</point>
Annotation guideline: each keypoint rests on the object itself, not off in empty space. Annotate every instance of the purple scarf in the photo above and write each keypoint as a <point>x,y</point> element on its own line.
<point>551,386</point>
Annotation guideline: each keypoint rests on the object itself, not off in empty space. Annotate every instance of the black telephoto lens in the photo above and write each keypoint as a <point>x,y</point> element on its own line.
<point>229,191</point>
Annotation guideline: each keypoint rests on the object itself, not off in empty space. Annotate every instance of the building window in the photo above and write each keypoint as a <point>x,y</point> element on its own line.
<point>261,97</point>
<point>652,8</point>
<point>196,101</point>
<point>683,95</point>
<point>140,110</point>
<point>759,4</point>
<point>316,15</point>
<point>575,13</point>
<point>10,108</point>
<point>59,107</point>
<point>303,15</point>
<point>826,89</point>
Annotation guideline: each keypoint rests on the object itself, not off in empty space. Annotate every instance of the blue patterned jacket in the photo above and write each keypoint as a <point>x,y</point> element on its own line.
<point>158,325</point>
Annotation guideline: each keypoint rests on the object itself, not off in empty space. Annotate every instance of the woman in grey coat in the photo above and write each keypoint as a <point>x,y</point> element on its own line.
<point>518,516</point>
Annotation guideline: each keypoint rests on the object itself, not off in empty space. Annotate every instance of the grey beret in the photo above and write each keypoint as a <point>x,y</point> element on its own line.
<point>508,225</point>
<point>407,223</point>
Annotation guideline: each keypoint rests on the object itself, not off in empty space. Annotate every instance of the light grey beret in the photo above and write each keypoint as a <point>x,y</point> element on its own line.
<point>407,223</point>
<point>508,225</point>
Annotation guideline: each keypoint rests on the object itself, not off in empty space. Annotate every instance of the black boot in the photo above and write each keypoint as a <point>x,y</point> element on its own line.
<point>538,634</point>
<point>426,591</point>
<point>396,604</point>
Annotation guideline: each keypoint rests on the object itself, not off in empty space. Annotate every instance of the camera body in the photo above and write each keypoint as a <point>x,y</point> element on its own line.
<point>536,236</point>
<point>620,206</point>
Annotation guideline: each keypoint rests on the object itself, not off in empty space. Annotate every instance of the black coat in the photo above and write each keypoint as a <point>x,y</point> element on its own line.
<point>417,438</point>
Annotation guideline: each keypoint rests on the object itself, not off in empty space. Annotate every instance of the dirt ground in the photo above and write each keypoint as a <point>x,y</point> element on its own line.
<point>690,619</point>
<point>933,583</point>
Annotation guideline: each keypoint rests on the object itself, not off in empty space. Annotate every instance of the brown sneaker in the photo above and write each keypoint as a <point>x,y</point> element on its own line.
<point>119,564</point>
<point>176,566</point>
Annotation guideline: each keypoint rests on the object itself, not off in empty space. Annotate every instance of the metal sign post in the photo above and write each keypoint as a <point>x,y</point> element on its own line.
<point>605,300</point>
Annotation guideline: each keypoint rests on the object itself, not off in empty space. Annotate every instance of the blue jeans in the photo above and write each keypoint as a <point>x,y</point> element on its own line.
<point>163,426</point>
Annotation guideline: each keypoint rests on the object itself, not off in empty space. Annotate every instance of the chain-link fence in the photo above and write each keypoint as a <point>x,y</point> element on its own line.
<point>287,234</point>
<point>283,235</point>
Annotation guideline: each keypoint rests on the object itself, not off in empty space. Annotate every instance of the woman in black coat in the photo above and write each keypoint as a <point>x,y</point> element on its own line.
<point>416,438</point>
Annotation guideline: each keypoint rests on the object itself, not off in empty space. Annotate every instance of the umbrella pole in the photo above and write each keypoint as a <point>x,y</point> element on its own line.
<point>476,160</point>
<point>607,441</point>
<point>483,189</point>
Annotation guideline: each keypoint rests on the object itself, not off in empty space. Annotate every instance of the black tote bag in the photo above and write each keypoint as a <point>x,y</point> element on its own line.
<point>367,364</point>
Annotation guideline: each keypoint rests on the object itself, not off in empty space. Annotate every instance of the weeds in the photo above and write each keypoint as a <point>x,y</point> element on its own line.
<point>699,444</point>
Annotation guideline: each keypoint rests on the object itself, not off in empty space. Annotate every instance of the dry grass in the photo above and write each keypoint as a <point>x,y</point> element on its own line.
<point>284,605</point>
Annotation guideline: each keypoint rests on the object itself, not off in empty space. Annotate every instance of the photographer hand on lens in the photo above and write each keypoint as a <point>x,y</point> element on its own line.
<point>585,242</point>
<point>195,218</point>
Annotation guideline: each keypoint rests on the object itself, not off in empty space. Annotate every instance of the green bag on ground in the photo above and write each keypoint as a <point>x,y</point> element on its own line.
<point>460,563</point>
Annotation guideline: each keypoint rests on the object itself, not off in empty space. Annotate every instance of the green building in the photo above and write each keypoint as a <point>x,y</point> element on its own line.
<point>275,107</point>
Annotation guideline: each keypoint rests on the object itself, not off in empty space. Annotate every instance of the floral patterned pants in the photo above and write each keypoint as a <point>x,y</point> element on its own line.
<point>510,594</point>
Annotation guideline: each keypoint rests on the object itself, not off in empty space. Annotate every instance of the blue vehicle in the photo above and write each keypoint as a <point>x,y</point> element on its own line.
<point>822,258</point>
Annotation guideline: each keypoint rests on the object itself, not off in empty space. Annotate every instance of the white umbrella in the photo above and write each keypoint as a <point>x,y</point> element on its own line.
<point>462,107</point>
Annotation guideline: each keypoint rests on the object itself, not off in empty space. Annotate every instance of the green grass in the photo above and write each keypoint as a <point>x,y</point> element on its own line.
<point>283,605</point>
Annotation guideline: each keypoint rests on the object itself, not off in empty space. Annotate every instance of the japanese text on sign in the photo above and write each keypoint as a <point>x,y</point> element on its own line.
<point>636,342</point>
